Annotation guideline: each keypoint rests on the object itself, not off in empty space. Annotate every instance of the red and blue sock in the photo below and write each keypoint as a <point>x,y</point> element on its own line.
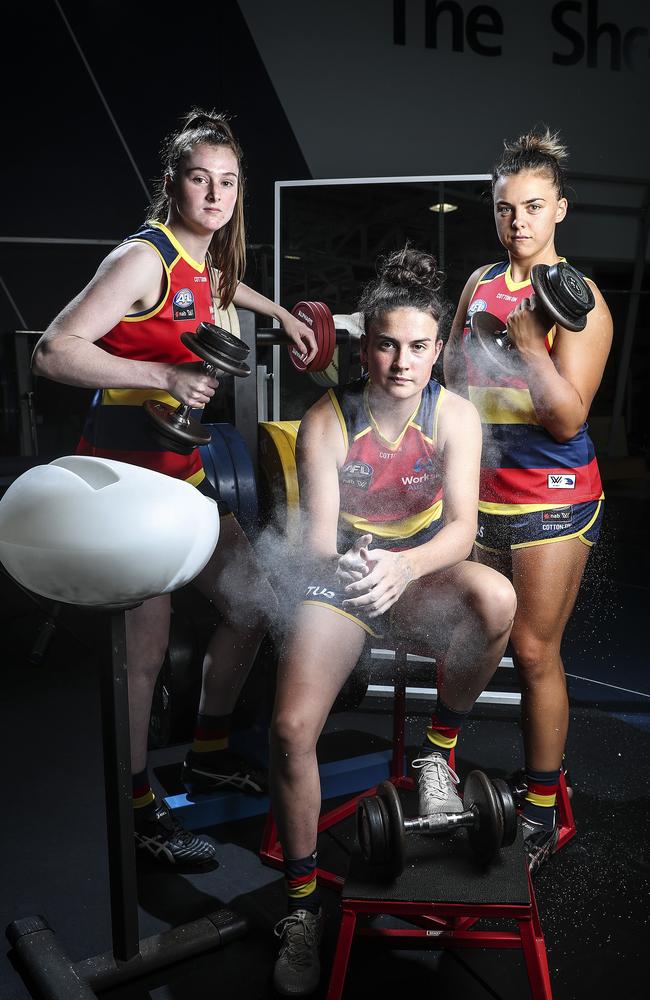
<point>442,734</point>
<point>301,883</point>
<point>539,805</point>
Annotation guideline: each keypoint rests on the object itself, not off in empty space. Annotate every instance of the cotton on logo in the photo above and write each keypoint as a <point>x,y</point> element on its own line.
<point>561,482</point>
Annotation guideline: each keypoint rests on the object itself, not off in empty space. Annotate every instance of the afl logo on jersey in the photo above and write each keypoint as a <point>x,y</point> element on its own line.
<point>357,474</point>
<point>478,305</point>
<point>183,304</point>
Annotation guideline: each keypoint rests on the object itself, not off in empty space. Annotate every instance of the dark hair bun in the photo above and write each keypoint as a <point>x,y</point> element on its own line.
<point>410,268</point>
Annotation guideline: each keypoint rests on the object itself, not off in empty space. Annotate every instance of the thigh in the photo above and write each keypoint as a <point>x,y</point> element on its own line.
<point>319,655</point>
<point>430,608</point>
<point>546,579</point>
<point>233,579</point>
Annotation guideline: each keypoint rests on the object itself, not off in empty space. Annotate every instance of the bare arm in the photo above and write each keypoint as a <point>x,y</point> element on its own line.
<point>302,336</point>
<point>453,359</point>
<point>563,384</point>
<point>129,280</point>
<point>320,451</point>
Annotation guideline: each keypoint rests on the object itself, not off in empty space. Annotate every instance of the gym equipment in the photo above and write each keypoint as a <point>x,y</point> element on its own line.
<point>353,323</point>
<point>95,532</point>
<point>279,494</point>
<point>175,429</point>
<point>489,816</point>
<point>229,468</point>
<point>49,971</point>
<point>560,293</point>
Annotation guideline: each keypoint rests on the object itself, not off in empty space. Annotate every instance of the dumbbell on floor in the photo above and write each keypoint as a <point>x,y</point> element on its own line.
<point>559,292</point>
<point>220,351</point>
<point>489,816</point>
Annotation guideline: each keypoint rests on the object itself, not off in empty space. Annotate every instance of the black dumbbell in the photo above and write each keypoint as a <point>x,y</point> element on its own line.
<point>560,292</point>
<point>489,816</point>
<point>174,429</point>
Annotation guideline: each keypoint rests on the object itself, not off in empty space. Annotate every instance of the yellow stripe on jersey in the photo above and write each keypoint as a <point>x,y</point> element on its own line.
<point>503,405</point>
<point>396,529</point>
<point>182,252</point>
<point>135,397</point>
<point>526,508</point>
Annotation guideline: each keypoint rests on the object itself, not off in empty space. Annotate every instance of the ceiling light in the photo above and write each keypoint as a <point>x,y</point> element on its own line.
<point>443,206</point>
<point>291,256</point>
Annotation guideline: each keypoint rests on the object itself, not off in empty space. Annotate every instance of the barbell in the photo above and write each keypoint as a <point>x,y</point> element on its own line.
<point>489,815</point>
<point>560,293</point>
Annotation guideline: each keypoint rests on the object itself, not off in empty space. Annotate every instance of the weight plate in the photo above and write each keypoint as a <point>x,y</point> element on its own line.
<point>564,294</point>
<point>227,319</point>
<point>371,831</point>
<point>311,317</point>
<point>328,339</point>
<point>387,794</point>
<point>247,508</point>
<point>278,476</point>
<point>219,469</point>
<point>171,433</point>
<point>493,351</point>
<point>508,811</point>
<point>486,836</point>
<point>215,357</point>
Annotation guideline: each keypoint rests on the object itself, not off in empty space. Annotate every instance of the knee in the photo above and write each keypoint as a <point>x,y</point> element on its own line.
<point>495,603</point>
<point>145,664</point>
<point>291,734</point>
<point>532,655</point>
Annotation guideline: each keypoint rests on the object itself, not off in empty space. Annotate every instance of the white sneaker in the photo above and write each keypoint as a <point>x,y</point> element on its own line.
<point>297,969</point>
<point>437,785</point>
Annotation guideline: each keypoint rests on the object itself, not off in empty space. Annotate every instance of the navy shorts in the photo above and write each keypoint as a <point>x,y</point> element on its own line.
<point>326,597</point>
<point>502,532</point>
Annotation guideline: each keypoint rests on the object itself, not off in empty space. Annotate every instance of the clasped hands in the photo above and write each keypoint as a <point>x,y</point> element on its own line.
<point>374,580</point>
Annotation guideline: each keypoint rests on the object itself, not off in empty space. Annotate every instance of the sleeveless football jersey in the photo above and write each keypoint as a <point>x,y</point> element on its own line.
<point>523,468</point>
<point>117,426</point>
<point>390,488</point>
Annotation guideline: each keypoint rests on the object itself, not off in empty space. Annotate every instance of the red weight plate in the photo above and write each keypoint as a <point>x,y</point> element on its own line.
<point>324,352</point>
<point>328,351</point>
<point>311,317</point>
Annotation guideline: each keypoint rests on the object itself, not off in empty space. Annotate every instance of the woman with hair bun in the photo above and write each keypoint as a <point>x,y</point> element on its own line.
<point>182,267</point>
<point>535,437</point>
<point>388,469</point>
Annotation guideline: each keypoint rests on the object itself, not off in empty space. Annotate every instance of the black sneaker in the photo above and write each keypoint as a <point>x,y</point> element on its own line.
<point>159,834</point>
<point>297,969</point>
<point>223,769</point>
<point>539,843</point>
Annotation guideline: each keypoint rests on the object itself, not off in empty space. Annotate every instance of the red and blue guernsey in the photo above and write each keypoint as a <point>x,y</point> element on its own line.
<point>117,426</point>
<point>523,468</point>
<point>390,488</point>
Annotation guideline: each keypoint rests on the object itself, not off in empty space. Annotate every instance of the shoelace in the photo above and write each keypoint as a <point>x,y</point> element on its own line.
<point>437,774</point>
<point>296,945</point>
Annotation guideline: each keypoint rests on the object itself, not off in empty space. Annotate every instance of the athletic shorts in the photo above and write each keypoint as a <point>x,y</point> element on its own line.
<point>206,488</point>
<point>324,597</point>
<point>502,532</point>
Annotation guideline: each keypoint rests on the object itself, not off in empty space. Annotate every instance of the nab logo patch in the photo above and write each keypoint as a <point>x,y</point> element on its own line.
<point>561,482</point>
<point>424,464</point>
<point>357,474</point>
<point>183,304</point>
<point>563,516</point>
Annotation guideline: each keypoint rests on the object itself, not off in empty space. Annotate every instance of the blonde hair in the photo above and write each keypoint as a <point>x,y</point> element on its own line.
<point>537,150</point>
